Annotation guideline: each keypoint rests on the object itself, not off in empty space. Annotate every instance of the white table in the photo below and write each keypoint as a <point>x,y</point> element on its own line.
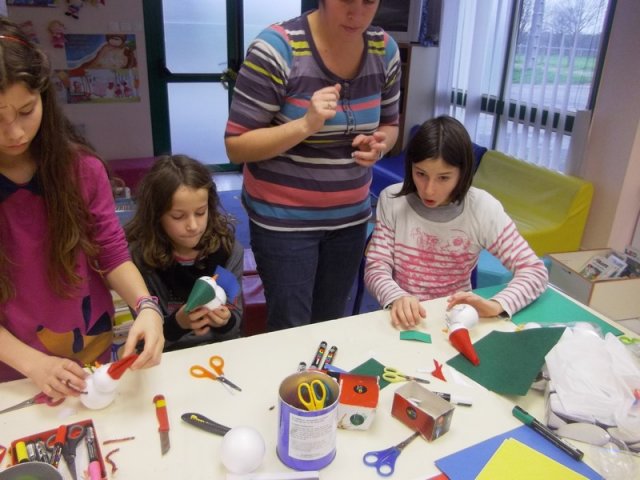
<point>258,364</point>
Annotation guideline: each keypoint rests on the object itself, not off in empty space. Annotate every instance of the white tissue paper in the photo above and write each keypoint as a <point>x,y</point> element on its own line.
<point>594,380</point>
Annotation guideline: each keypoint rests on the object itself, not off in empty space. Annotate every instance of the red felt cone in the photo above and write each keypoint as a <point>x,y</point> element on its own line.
<point>459,338</point>
<point>117,369</point>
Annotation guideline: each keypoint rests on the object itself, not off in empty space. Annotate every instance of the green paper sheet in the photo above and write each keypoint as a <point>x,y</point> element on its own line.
<point>551,307</point>
<point>374,368</point>
<point>509,361</point>
<point>415,335</point>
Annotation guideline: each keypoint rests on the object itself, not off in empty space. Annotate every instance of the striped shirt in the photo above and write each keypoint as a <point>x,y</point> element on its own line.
<point>315,185</point>
<point>430,253</point>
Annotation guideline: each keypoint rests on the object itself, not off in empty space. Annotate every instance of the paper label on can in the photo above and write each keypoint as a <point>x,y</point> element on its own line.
<point>312,438</point>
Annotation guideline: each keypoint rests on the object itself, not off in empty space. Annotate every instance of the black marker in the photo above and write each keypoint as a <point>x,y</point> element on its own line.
<point>319,354</point>
<point>330,355</point>
<point>455,399</point>
<point>527,419</point>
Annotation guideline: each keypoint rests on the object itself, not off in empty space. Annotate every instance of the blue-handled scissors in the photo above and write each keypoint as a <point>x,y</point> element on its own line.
<point>36,399</point>
<point>393,375</point>
<point>313,394</point>
<point>384,461</point>
<point>216,363</point>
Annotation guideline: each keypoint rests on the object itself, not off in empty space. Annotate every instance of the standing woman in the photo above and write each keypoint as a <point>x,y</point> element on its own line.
<point>61,245</point>
<point>314,107</point>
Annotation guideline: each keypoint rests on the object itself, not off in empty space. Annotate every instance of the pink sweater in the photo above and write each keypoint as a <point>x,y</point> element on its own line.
<point>77,327</point>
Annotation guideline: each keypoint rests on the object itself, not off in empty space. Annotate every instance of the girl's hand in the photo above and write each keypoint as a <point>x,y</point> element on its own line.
<point>202,319</point>
<point>322,107</point>
<point>220,316</point>
<point>148,327</point>
<point>370,148</point>
<point>484,307</point>
<point>58,377</point>
<point>407,313</point>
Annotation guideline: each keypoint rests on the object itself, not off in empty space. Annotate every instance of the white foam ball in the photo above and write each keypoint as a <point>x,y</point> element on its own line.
<point>463,314</point>
<point>242,450</point>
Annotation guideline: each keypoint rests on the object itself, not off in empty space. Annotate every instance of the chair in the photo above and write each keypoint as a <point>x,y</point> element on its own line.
<point>357,297</point>
<point>254,319</point>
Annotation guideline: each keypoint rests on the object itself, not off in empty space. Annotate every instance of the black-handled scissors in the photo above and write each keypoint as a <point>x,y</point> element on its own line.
<point>204,423</point>
<point>75,434</point>
<point>384,461</point>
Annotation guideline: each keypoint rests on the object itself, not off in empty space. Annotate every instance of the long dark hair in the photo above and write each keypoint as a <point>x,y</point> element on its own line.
<point>154,198</point>
<point>442,137</point>
<point>55,149</point>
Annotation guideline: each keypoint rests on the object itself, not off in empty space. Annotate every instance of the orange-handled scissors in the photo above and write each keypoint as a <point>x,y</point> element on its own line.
<point>216,363</point>
<point>36,399</point>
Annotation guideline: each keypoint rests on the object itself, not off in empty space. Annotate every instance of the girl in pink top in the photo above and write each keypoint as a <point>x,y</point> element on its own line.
<point>61,245</point>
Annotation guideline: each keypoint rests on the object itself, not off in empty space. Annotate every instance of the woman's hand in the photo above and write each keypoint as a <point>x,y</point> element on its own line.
<point>148,327</point>
<point>370,148</point>
<point>58,377</point>
<point>322,107</point>
<point>407,313</point>
<point>484,307</point>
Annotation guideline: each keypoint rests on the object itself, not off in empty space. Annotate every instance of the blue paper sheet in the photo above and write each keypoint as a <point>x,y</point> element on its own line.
<point>468,463</point>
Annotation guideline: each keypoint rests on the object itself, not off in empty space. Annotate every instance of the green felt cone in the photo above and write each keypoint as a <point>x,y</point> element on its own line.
<point>202,293</point>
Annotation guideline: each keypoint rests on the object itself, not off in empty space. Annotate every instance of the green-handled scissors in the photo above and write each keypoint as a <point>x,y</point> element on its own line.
<point>312,395</point>
<point>627,340</point>
<point>393,375</point>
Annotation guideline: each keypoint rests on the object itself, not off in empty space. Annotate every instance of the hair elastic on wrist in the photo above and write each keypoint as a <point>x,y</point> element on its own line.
<point>11,38</point>
<point>144,298</point>
<point>149,305</point>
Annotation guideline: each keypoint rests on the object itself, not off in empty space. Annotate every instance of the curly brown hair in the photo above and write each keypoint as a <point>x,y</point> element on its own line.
<point>56,149</point>
<point>154,198</point>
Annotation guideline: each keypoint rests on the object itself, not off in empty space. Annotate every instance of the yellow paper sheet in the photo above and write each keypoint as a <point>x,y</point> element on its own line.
<point>516,460</point>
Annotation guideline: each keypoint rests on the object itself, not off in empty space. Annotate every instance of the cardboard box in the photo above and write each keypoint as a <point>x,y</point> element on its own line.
<point>422,410</point>
<point>616,298</point>
<point>82,458</point>
<point>358,401</point>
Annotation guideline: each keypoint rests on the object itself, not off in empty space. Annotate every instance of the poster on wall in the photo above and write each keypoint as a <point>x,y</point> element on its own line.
<point>31,3</point>
<point>100,69</point>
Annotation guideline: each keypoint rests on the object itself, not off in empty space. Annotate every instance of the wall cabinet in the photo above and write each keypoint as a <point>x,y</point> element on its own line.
<point>418,89</point>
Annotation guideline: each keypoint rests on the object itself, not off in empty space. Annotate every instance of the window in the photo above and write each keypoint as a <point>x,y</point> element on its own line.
<point>190,44</point>
<point>523,73</point>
